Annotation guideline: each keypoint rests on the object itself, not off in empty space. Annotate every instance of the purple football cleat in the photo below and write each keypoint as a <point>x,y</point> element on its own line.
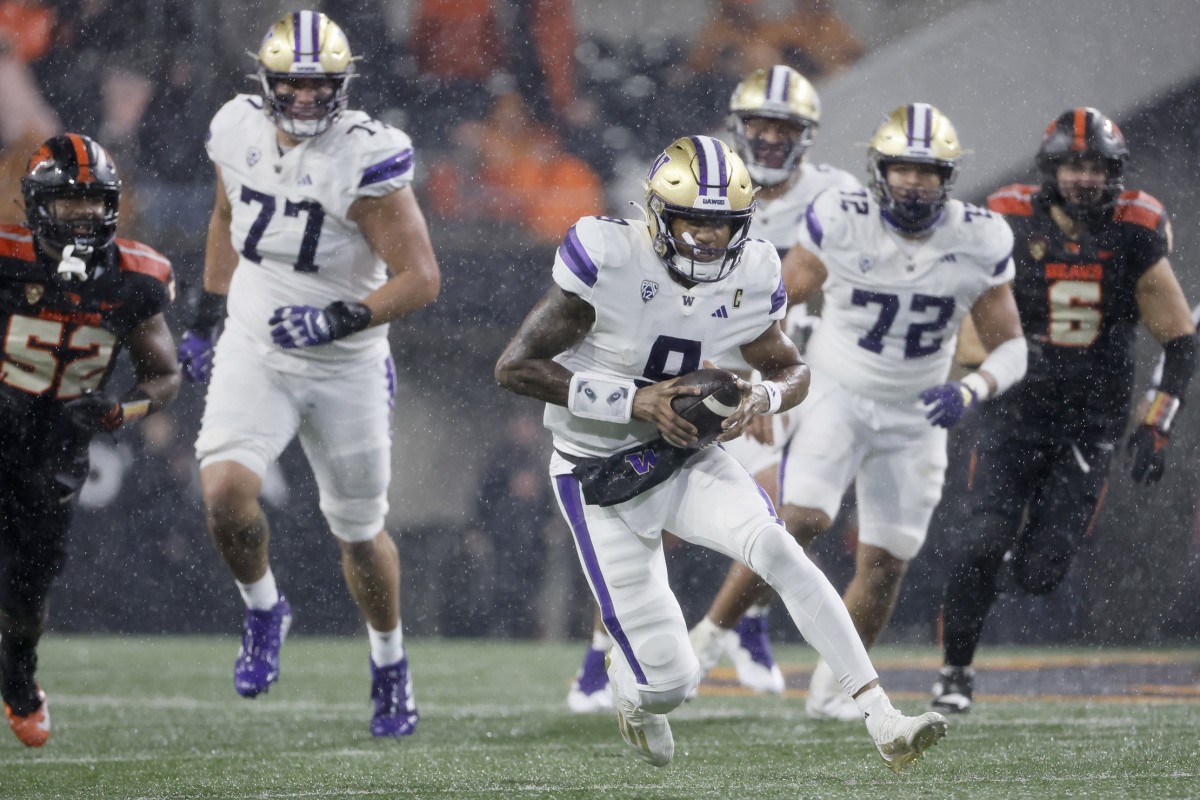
<point>749,647</point>
<point>590,692</point>
<point>395,711</point>
<point>257,665</point>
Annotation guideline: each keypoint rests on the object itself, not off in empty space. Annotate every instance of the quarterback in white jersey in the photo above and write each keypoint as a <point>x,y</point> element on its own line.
<point>634,306</point>
<point>317,240</point>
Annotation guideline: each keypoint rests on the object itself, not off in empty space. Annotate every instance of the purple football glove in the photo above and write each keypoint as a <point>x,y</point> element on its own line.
<point>308,326</point>
<point>196,356</point>
<point>946,403</point>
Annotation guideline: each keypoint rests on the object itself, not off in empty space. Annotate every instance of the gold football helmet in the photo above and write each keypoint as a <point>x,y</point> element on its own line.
<point>779,93</point>
<point>305,45</point>
<point>699,177</point>
<point>913,134</point>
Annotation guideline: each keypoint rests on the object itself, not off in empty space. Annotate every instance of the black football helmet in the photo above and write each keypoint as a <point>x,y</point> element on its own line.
<point>1083,133</point>
<point>71,165</point>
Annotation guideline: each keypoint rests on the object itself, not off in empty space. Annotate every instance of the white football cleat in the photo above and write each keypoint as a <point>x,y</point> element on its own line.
<point>902,740</point>
<point>648,734</point>
<point>827,700</point>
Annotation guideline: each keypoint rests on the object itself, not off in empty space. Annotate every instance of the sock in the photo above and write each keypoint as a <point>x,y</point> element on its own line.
<point>262,595</point>
<point>602,641</point>
<point>386,648</point>
<point>813,604</point>
<point>706,630</point>
<point>758,610</point>
<point>873,703</point>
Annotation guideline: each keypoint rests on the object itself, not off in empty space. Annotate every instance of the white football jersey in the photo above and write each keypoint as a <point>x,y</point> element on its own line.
<point>893,306</point>
<point>295,244</point>
<point>649,328</point>
<point>779,220</point>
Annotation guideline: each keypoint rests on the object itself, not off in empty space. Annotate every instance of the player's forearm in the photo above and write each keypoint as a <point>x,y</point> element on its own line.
<point>160,390</point>
<point>220,259</point>
<point>542,379</point>
<point>792,383</point>
<point>403,294</point>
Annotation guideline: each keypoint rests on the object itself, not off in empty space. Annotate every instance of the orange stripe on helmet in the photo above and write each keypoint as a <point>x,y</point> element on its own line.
<point>1080,143</point>
<point>82,158</point>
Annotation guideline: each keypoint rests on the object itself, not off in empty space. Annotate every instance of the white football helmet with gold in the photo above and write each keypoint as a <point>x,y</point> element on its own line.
<point>699,177</point>
<point>779,93</point>
<point>916,133</point>
<point>305,46</point>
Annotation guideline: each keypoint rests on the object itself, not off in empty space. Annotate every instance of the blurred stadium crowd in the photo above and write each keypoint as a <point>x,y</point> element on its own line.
<point>523,120</point>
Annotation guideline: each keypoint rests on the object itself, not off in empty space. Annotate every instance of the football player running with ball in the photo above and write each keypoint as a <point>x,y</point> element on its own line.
<point>773,119</point>
<point>72,296</point>
<point>635,304</point>
<point>1091,260</point>
<point>316,243</point>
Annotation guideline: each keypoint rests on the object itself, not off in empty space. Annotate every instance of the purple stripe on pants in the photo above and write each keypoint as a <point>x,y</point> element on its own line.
<point>569,494</point>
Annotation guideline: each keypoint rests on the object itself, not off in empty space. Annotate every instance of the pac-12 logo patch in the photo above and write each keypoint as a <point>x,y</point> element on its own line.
<point>649,291</point>
<point>253,155</point>
<point>34,292</point>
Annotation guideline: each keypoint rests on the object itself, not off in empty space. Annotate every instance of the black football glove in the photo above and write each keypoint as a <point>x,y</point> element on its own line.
<point>95,412</point>
<point>1146,450</point>
<point>1147,445</point>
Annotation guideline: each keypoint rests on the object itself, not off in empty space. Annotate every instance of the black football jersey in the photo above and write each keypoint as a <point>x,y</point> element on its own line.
<point>61,339</point>
<point>1078,305</point>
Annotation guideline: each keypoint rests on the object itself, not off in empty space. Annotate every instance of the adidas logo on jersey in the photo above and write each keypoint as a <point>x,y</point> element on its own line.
<point>305,181</point>
<point>721,313</point>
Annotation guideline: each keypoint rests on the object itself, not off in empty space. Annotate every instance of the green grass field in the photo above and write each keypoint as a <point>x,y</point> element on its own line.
<point>157,718</point>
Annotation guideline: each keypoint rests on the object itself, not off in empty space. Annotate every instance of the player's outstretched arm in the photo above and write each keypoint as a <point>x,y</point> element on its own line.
<point>395,228</point>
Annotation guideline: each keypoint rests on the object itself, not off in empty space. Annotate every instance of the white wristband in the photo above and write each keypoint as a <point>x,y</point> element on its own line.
<point>977,384</point>
<point>593,395</point>
<point>774,396</point>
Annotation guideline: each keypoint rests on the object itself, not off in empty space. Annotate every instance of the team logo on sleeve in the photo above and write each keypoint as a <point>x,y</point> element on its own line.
<point>1037,248</point>
<point>649,291</point>
<point>253,155</point>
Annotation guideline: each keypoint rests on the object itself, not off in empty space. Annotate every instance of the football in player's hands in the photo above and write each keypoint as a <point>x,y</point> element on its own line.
<point>718,399</point>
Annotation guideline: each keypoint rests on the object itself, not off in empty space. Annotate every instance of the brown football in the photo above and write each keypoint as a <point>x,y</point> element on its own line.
<point>718,398</point>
